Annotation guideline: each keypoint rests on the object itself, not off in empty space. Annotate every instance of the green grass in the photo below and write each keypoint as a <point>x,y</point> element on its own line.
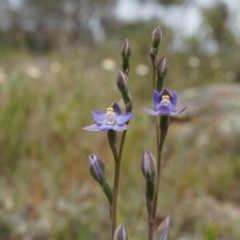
<point>44,177</point>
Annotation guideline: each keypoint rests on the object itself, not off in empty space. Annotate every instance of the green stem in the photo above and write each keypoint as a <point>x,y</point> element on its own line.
<point>116,182</point>
<point>122,144</point>
<point>126,66</point>
<point>150,189</point>
<point>163,133</point>
<point>154,76</point>
<point>115,194</point>
<point>159,161</point>
<point>150,229</point>
<point>159,84</point>
<point>107,191</point>
<point>151,218</point>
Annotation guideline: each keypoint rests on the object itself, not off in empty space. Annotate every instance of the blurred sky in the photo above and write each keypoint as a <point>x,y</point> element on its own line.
<point>185,18</point>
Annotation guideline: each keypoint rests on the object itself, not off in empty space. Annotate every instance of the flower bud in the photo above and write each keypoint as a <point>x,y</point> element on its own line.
<point>162,67</point>
<point>148,166</point>
<point>126,49</point>
<point>165,227</point>
<point>122,81</point>
<point>96,168</point>
<point>156,37</point>
<point>121,233</point>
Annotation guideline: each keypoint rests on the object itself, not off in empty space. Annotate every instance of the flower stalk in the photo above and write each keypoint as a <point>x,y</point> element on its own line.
<point>117,168</point>
<point>122,84</point>
<point>164,106</point>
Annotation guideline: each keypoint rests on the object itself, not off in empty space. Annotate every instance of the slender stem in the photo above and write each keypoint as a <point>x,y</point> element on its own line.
<point>162,136</point>
<point>154,87</point>
<point>118,156</point>
<point>158,134</point>
<point>154,76</point>
<point>159,161</point>
<point>150,186</point>
<point>110,211</point>
<point>122,144</point>
<point>116,182</point>
<point>115,194</point>
<point>154,206</point>
<point>150,230</point>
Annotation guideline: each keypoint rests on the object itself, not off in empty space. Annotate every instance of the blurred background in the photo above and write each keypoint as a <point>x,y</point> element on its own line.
<point>58,62</point>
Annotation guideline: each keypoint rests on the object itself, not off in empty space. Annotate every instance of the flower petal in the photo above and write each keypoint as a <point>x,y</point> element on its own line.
<point>105,127</point>
<point>164,109</point>
<point>177,111</point>
<point>165,91</point>
<point>156,98</point>
<point>120,128</point>
<point>173,99</point>
<point>99,116</point>
<point>92,128</point>
<point>151,111</point>
<point>116,108</point>
<point>123,118</point>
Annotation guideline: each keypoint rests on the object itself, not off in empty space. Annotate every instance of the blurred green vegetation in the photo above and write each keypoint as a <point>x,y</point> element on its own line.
<point>46,99</point>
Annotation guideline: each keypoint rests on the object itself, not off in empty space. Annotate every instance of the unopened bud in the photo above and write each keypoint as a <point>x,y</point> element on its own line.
<point>165,227</point>
<point>121,233</point>
<point>96,168</point>
<point>122,81</point>
<point>162,67</point>
<point>126,49</point>
<point>148,166</point>
<point>156,37</point>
